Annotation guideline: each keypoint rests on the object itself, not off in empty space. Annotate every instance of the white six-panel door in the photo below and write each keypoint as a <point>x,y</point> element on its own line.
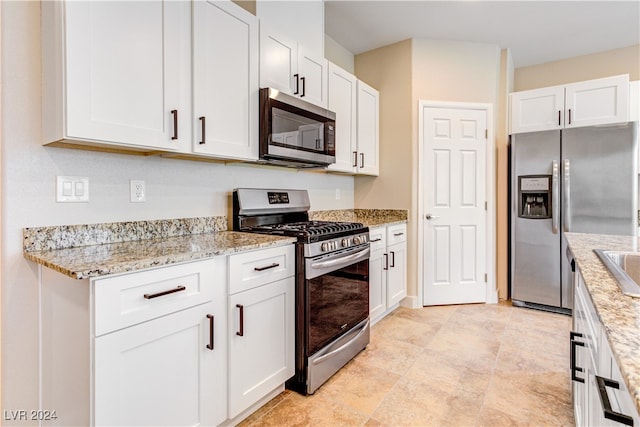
<point>454,170</point>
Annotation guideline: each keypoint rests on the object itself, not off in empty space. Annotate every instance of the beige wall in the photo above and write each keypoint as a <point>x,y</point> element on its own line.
<point>502,174</point>
<point>406,73</point>
<point>618,61</point>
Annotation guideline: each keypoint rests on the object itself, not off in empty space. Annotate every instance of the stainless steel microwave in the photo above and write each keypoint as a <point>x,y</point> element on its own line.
<point>295,133</point>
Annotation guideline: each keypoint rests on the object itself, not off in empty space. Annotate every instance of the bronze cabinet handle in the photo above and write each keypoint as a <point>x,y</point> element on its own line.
<point>386,262</point>
<point>297,77</point>
<point>175,124</point>
<point>361,160</point>
<point>211,337</point>
<point>393,259</point>
<point>355,159</point>
<point>203,127</point>
<point>159,294</point>
<point>241,331</point>
<point>304,90</point>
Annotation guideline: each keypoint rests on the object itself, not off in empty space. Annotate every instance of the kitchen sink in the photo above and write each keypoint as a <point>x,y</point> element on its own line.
<point>625,268</point>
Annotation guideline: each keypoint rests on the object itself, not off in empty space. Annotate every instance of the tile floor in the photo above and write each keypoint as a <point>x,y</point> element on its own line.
<point>466,365</point>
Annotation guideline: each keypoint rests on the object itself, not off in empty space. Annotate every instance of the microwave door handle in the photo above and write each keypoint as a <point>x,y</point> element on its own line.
<point>555,188</point>
<point>566,196</point>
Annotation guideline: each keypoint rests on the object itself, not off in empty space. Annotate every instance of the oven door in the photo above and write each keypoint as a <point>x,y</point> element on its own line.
<point>337,294</point>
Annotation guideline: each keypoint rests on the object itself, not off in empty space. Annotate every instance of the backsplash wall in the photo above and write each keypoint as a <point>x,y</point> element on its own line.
<point>174,189</point>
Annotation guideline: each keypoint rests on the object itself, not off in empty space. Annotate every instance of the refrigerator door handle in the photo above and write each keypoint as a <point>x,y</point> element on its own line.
<point>566,196</point>
<point>555,189</point>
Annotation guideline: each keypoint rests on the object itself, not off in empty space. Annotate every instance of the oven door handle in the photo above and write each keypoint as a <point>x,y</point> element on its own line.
<point>342,347</point>
<point>346,260</point>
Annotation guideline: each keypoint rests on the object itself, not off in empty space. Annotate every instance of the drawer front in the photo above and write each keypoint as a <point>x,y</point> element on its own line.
<point>378,238</point>
<point>396,234</point>
<point>130,299</point>
<point>248,270</point>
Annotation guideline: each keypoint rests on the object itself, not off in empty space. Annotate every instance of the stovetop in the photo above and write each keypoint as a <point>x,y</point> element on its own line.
<point>309,228</point>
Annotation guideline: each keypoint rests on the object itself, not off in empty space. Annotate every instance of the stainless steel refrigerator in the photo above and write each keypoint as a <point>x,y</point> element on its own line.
<point>576,180</point>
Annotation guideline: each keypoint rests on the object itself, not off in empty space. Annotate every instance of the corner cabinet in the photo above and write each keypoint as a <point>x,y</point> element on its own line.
<point>356,105</point>
<point>595,376</point>
<point>387,269</point>
<point>117,73</point>
<point>179,78</point>
<point>587,103</point>
<point>225,81</point>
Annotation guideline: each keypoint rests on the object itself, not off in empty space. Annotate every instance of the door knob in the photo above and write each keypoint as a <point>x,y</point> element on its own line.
<point>430,217</point>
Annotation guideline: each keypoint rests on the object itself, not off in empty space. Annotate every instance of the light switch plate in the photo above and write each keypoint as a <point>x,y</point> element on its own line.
<point>72,189</point>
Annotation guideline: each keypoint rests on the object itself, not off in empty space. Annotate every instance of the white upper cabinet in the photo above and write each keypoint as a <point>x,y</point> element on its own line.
<point>592,102</point>
<point>292,48</point>
<point>368,129</point>
<point>117,73</point>
<point>342,101</point>
<point>291,68</point>
<point>537,109</point>
<point>225,81</point>
<point>356,105</point>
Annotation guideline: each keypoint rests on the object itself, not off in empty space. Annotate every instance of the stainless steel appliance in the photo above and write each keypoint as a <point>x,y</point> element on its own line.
<point>576,180</point>
<point>332,280</point>
<point>294,132</point>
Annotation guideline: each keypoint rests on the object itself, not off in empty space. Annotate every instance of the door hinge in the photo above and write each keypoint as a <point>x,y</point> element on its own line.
<point>485,206</point>
<point>485,277</point>
<point>486,134</point>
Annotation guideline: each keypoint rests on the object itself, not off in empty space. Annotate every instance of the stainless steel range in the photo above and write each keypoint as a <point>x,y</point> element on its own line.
<point>332,280</point>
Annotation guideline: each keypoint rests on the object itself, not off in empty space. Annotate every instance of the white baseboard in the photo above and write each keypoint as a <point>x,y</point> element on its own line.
<point>492,296</point>
<point>410,301</point>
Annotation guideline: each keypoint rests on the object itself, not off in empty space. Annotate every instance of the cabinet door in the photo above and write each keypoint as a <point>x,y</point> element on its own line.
<point>161,372</point>
<point>127,68</point>
<point>342,101</point>
<point>377,285</point>
<point>596,102</point>
<point>368,129</point>
<point>225,94</point>
<point>537,109</point>
<point>278,60</point>
<point>313,77</point>
<point>261,342</point>
<point>397,274</point>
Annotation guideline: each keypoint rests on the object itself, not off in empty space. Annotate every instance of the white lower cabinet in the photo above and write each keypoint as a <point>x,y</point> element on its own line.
<point>188,344</point>
<point>387,269</point>
<point>595,375</point>
<point>261,325</point>
<point>169,371</point>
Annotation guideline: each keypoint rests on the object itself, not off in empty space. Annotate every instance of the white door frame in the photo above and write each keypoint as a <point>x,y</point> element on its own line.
<point>492,292</point>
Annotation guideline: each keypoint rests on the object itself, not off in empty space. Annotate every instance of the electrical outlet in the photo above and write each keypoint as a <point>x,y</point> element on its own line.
<point>137,193</point>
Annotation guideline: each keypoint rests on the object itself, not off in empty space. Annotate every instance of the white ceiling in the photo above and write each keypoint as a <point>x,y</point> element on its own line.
<point>535,31</point>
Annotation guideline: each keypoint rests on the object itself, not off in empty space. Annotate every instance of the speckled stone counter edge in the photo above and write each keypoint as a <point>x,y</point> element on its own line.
<point>71,236</point>
<point>369,217</point>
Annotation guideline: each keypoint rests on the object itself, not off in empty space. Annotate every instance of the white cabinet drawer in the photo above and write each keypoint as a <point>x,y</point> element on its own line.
<point>250,269</point>
<point>129,299</point>
<point>396,233</point>
<point>378,238</point>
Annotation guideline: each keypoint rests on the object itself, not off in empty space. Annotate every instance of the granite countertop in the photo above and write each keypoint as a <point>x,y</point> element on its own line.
<point>82,251</point>
<point>620,314</point>
<point>368,217</point>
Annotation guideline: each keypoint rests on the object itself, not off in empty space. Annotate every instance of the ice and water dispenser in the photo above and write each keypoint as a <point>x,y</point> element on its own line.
<point>534,196</point>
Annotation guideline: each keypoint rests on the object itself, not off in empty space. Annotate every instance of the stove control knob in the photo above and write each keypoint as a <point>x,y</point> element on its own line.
<point>324,247</point>
<point>357,240</point>
<point>345,243</point>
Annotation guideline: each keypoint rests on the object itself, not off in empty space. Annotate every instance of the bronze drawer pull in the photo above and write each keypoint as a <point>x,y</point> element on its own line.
<point>274,265</point>
<point>159,294</point>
